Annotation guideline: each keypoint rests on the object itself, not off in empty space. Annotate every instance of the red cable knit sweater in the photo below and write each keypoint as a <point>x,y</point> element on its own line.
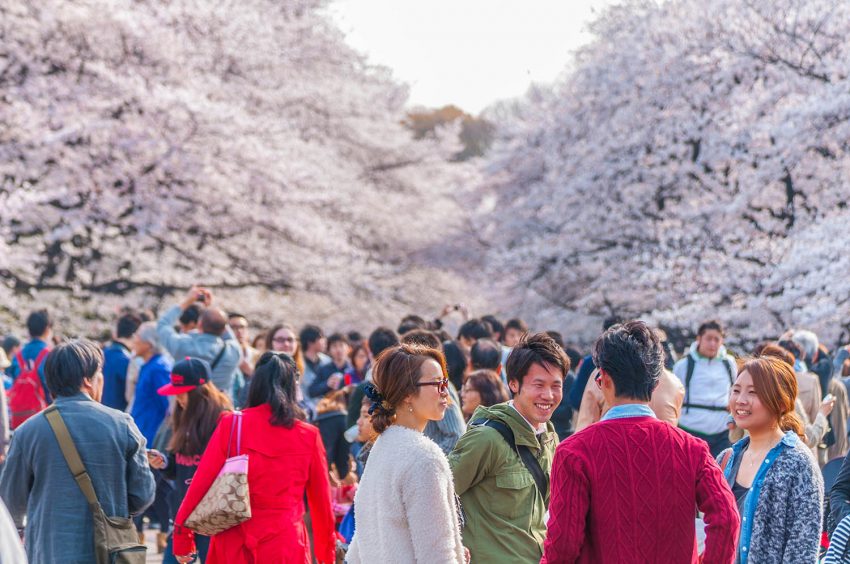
<point>625,490</point>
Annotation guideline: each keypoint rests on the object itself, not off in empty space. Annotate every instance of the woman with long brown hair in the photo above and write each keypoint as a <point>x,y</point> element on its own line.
<point>198,407</point>
<point>772,473</point>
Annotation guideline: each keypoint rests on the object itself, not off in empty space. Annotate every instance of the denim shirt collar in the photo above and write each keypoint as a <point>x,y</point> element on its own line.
<point>789,440</point>
<point>79,396</point>
<point>628,410</point>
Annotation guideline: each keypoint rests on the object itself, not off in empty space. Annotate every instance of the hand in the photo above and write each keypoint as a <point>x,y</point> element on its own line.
<point>447,309</point>
<point>191,297</point>
<point>156,459</point>
<point>185,559</point>
<point>334,381</point>
<point>466,555</point>
<point>827,404</point>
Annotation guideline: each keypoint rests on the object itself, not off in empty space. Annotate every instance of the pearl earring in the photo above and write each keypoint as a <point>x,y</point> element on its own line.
<point>410,408</point>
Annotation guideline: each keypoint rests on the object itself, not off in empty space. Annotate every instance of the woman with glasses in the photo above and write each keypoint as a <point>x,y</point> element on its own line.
<point>283,339</point>
<point>286,461</point>
<point>406,505</point>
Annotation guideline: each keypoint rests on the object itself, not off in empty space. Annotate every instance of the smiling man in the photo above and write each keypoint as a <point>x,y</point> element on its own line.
<point>501,465</point>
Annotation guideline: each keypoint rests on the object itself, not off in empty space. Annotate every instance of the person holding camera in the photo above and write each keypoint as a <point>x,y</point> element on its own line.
<point>214,343</point>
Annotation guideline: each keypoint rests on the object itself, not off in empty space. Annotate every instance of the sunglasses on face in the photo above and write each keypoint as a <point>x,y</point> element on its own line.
<point>443,385</point>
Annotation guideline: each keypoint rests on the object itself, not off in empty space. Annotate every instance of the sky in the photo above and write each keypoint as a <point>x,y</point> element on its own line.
<point>467,52</point>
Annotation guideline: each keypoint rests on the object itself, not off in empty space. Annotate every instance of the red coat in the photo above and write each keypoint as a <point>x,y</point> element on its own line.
<point>283,464</point>
<point>625,490</point>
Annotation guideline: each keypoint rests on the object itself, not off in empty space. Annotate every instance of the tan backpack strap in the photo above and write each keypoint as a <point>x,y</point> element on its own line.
<point>725,460</point>
<point>72,457</point>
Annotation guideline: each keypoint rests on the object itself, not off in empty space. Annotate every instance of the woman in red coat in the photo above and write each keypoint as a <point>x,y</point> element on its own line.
<point>286,458</point>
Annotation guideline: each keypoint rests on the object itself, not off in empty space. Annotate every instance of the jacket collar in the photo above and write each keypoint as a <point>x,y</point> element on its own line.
<point>629,410</point>
<point>523,433</point>
<point>76,398</point>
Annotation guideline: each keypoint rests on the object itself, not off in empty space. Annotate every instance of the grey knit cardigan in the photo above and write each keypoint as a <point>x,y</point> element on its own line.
<point>786,527</point>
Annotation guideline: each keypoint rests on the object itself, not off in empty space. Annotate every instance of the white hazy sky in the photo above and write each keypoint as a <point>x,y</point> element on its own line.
<point>467,52</point>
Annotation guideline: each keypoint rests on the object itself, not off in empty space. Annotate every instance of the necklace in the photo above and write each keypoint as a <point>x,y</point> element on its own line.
<point>754,456</point>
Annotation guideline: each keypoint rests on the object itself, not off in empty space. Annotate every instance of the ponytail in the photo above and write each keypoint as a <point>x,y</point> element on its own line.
<point>792,422</point>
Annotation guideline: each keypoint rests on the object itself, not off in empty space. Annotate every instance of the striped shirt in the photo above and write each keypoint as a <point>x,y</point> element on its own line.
<point>838,552</point>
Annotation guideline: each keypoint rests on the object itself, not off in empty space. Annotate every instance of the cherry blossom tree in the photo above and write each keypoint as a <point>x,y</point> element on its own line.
<point>146,145</point>
<point>691,163</point>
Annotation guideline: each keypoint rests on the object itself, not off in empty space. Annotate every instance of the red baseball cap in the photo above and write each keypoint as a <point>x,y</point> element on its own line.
<point>187,375</point>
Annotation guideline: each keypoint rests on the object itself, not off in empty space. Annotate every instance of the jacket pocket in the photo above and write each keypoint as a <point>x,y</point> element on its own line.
<point>513,496</point>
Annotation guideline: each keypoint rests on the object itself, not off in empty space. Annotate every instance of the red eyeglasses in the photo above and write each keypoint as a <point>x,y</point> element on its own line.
<point>443,385</point>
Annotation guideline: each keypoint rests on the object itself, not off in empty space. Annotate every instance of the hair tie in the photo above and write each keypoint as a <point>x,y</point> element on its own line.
<point>373,394</point>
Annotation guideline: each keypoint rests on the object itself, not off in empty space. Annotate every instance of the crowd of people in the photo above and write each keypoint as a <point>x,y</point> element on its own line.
<point>494,444</point>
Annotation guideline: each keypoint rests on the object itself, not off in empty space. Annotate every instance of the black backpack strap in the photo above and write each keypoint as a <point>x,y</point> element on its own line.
<point>730,371</point>
<point>688,375</point>
<point>525,454</point>
<point>220,354</point>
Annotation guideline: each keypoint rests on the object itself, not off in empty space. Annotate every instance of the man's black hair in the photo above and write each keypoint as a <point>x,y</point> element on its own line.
<point>610,321</point>
<point>422,337</point>
<point>68,364</point>
<point>191,314</point>
<point>517,324</point>
<point>381,339</point>
<point>443,335</point>
<point>574,355</point>
<point>354,337</point>
<point>633,357</point>
<point>127,325</point>
<point>540,349</point>
<point>411,323</point>
<point>496,326</point>
<point>38,322</point>
<point>235,315</point>
<point>337,338</point>
<point>792,348</point>
<point>309,335</point>
<point>558,339</point>
<point>456,362</point>
<point>9,343</point>
<point>475,329</point>
<point>486,354</point>
<point>711,325</point>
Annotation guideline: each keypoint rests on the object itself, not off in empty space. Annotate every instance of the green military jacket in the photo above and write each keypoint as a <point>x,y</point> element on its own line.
<point>504,512</point>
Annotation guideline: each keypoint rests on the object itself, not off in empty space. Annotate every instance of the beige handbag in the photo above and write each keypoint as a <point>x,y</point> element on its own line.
<point>227,502</point>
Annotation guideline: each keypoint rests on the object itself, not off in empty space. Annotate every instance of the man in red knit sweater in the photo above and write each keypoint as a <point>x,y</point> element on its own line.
<point>624,490</point>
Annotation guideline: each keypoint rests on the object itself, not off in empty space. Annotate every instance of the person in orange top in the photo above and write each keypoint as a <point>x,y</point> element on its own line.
<point>286,459</point>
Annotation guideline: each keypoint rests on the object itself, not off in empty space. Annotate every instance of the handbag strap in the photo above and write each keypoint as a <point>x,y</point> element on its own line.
<point>72,456</point>
<point>235,422</point>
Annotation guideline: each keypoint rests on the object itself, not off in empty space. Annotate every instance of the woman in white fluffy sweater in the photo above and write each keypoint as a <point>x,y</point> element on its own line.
<point>405,507</point>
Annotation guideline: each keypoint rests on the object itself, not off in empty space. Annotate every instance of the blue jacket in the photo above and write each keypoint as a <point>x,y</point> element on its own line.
<point>148,406</point>
<point>30,351</point>
<point>320,387</point>
<point>781,521</point>
<point>37,483</point>
<point>116,358</point>
<point>204,346</point>
<point>586,368</point>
